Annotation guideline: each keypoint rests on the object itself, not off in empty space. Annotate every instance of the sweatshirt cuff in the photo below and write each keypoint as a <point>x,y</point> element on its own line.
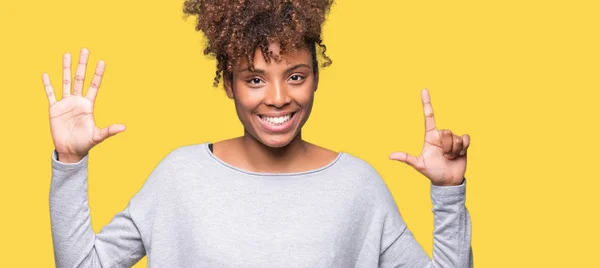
<point>445,191</point>
<point>62,166</point>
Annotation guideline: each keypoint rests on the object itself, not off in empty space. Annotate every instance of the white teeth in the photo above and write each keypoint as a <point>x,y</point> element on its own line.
<point>276,120</point>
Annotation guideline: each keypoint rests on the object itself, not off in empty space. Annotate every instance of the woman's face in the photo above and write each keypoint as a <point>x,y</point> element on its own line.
<point>274,101</point>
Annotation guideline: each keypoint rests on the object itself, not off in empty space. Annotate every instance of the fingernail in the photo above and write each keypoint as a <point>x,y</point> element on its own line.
<point>462,153</point>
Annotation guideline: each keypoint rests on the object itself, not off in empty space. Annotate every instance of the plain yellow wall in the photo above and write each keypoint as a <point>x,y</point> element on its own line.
<point>521,77</point>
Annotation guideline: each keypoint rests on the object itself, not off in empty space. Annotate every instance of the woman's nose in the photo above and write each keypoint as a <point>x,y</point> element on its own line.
<point>277,95</point>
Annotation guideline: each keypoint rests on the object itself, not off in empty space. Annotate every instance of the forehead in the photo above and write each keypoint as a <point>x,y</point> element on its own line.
<point>288,58</point>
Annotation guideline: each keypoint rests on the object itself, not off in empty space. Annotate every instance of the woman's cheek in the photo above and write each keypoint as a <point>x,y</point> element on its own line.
<point>305,97</point>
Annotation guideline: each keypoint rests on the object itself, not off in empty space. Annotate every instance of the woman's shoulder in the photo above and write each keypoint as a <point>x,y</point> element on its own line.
<point>358,170</point>
<point>345,162</point>
<point>190,149</point>
<point>358,165</point>
<point>359,174</point>
<point>187,154</point>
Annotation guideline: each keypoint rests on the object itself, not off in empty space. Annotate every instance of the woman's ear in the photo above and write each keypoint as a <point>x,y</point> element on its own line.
<point>316,84</point>
<point>228,85</point>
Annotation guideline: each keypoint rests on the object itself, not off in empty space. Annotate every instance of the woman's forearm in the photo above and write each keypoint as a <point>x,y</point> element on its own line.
<point>452,227</point>
<point>72,233</point>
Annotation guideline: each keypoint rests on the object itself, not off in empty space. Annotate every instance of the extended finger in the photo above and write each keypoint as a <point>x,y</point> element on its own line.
<point>80,73</point>
<point>48,88</point>
<point>428,111</point>
<point>66,75</point>
<point>446,141</point>
<point>404,157</point>
<point>466,142</point>
<point>96,81</point>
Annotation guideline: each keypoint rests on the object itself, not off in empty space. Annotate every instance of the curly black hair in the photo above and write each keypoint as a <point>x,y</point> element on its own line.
<point>236,28</point>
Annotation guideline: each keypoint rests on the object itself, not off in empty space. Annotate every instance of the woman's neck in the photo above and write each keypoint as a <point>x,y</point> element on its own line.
<point>262,158</point>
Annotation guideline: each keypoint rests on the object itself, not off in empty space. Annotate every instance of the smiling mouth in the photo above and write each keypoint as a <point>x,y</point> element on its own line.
<point>277,120</point>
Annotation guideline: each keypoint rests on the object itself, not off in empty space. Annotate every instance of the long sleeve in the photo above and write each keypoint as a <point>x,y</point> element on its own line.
<point>451,235</point>
<point>118,244</point>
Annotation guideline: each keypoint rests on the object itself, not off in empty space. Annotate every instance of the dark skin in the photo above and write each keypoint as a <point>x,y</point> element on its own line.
<point>285,87</point>
<point>275,88</point>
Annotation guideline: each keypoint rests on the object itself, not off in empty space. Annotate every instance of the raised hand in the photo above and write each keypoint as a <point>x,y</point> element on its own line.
<point>444,156</point>
<point>74,131</point>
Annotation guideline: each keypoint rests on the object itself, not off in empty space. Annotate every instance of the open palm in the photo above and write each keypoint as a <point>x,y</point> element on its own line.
<point>444,156</point>
<point>72,125</point>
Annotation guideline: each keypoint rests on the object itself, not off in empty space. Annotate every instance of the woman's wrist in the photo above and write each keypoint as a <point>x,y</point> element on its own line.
<point>68,158</point>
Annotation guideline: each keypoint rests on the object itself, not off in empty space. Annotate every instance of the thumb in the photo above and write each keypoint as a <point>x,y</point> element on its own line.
<point>405,158</point>
<point>102,134</point>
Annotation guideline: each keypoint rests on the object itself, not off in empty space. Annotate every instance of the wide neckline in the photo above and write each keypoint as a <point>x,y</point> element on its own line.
<point>270,174</point>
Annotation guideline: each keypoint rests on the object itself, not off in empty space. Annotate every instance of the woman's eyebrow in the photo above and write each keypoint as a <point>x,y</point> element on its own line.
<point>247,70</point>
<point>261,71</point>
<point>296,67</point>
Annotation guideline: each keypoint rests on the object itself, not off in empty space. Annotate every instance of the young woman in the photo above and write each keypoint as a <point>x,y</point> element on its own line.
<point>267,198</point>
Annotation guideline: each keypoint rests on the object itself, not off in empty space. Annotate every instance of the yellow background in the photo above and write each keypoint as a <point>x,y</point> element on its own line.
<point>521,77</point>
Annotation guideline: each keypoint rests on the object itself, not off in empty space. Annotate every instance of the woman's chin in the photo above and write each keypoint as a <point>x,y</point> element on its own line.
<point>275,139</point>
<point>276,142</point>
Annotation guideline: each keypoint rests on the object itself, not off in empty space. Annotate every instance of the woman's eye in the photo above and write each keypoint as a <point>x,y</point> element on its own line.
<point>254,81</point>
<point>296,78</point>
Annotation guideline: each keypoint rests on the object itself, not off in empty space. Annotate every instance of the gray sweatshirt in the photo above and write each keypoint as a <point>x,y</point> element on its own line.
<point>195,210</point>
